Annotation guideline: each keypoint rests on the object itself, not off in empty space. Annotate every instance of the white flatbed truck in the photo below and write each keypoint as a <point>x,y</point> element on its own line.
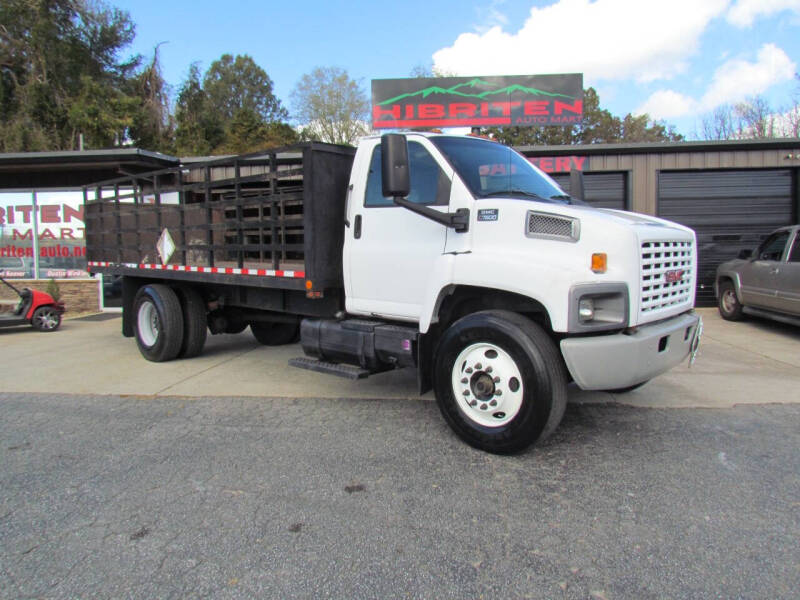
<point>450,254</point>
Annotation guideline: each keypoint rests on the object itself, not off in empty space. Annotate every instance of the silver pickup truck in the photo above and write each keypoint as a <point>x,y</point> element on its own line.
<point>764,283</point>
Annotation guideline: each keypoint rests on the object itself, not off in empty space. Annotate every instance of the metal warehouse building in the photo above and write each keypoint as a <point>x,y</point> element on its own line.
<point>731,193</point>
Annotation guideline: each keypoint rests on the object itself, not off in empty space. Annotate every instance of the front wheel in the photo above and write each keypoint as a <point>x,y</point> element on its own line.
<point>499,381</point>
<point>46,318</point>
<point>729,306</point>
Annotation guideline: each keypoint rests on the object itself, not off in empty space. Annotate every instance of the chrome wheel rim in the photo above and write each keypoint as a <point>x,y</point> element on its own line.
<point>487,385</point>
<point>47,319</point>
<point>729,301</point>
<point>147,324</point>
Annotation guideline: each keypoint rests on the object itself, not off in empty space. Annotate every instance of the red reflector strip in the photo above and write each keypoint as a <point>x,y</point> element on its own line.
<point>215,270</point>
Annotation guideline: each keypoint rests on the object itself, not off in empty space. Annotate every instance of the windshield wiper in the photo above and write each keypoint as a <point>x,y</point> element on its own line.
<point>513,193</point>
<point>568,198</point>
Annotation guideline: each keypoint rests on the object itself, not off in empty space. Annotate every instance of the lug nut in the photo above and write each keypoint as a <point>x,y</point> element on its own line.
<point>478,366</point>
<point>488,369</point>
<point>493,403</point>
<point>466,392</point>
<point>498,392</point>
<point>496,380</point>
<point>483,407</point>
<point>465,380</point>
<point>474,403</point>
<point>469,370</point>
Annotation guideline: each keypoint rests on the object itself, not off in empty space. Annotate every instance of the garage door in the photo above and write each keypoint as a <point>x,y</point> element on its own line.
<point>603,190</point>
<point>729,211</point>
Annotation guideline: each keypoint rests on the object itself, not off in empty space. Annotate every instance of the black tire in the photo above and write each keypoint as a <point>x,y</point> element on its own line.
<point>522,351</point>
<point>728,304</point>
<point>46,318</point>
<point>195,322</point>
<point>625,390</point>
<point>275,334</point>
<point>159,322</point>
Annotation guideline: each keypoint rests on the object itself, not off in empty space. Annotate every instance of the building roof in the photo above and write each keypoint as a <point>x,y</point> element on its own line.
<point>667,147</point>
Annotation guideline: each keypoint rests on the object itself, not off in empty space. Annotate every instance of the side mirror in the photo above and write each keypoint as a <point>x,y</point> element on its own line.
<point>394,165</point>
<point>743,254</point>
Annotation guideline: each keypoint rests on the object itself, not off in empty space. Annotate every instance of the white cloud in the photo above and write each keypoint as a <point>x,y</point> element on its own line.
<point>737,78</point>
<point>604,39</point>
<point>667,104</point>
<point>744,12</point>
<point>732,82</point>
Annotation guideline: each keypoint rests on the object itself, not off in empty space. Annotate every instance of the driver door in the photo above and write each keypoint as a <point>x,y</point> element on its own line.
<point>759,279</point>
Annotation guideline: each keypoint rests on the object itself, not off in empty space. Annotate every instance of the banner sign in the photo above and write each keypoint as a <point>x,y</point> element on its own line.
<point>522,101</point>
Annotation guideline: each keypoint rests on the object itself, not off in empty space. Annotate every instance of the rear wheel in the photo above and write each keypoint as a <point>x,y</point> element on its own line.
<point>46,318</point>
<point>159,322</point>
<point>275,334</point>
<point>729,306</point>
<point>195,322</point>
<point>499,381</point>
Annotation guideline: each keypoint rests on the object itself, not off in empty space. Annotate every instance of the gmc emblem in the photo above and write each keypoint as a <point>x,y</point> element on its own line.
<point>673,276</point>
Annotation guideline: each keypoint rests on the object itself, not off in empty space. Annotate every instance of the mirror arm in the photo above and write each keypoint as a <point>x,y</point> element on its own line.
<point>458,220</point>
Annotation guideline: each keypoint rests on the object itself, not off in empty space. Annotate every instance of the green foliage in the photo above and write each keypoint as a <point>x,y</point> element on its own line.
<point>330,106</point>
<point>61,72</point>
<point>599,126</point>
<point>53,289</point>
<point>231,111</point>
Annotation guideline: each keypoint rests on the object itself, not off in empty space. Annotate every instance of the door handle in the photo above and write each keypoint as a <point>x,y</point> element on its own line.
<point>357,227</point>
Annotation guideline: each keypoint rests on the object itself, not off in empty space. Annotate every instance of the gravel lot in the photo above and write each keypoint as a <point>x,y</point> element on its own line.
<point>169,497</point>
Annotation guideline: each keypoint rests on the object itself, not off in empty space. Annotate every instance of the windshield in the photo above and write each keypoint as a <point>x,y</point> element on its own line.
<point>490,169</point>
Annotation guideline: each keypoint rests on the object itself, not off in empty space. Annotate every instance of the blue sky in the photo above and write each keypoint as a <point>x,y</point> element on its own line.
<point>675,59</point>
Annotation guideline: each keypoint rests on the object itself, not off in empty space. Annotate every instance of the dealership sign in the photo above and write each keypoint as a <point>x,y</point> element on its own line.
<point>522,101</point>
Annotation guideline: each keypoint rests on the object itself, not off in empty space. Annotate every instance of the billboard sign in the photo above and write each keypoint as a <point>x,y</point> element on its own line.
<point>522,101</point>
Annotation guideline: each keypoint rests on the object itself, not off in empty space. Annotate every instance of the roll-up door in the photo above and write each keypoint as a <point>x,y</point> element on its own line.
<point>603,190</point>
<point>729,211</point>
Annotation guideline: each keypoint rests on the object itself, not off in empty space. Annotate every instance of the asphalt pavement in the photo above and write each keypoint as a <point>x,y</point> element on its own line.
<point>163,497</point>
<point>234,476</point>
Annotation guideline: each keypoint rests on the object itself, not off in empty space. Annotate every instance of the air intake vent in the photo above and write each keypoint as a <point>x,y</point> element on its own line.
<point>553,227</point>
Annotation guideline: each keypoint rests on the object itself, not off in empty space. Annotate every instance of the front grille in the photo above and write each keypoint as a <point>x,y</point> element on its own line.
<point>552,226</point>
<point>666,275</point>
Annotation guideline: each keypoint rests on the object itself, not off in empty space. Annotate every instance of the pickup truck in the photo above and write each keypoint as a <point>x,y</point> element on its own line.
<point>764,283</point>
<point>450,254</point>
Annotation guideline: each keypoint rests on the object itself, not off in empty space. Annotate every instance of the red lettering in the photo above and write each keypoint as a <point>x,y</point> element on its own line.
<point>576,108</point>
<point>16,234</point>
<point>409,111</point>
<point>562,163</point>
<point>538,107</point>
<point>546,164</point>
<point>379,113</point>
<point>463,108</point>
<point>26,212</point>
<point>49,213</point>
<point>484,109</point>
<point>70,213</point>
<point>578,161</point>
<point>46,235</point>
<point>431,111</point>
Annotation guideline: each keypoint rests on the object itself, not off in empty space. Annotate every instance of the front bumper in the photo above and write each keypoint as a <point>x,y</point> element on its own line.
<point>609,362</point>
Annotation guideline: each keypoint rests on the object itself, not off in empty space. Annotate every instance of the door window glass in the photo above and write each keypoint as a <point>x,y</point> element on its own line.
<point>794,255</point>
<point>429,184</point>
<point>772,248</point>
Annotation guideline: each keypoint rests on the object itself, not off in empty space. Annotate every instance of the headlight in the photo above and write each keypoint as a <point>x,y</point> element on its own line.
<point>596,307</point>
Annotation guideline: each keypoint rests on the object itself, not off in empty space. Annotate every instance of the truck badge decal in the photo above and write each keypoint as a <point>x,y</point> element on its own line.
<point>488,214</point>
<point>673,276</point>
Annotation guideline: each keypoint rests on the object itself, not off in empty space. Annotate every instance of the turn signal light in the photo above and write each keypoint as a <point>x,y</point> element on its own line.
<point>599,262</point>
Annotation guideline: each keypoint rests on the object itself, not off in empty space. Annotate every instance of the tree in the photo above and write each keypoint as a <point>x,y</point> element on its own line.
<point>754,118</point>
<point>152,124</point>
<point>232,84</point>
<point>331,107</point>
<point>231,110</point>
<point>598,126</point>
<point>61,74</point>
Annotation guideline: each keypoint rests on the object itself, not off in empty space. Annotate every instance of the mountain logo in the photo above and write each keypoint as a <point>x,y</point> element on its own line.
<point>456,90</point>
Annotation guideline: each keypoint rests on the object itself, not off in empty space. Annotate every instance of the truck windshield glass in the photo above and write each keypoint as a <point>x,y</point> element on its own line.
<point>490,169</point>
